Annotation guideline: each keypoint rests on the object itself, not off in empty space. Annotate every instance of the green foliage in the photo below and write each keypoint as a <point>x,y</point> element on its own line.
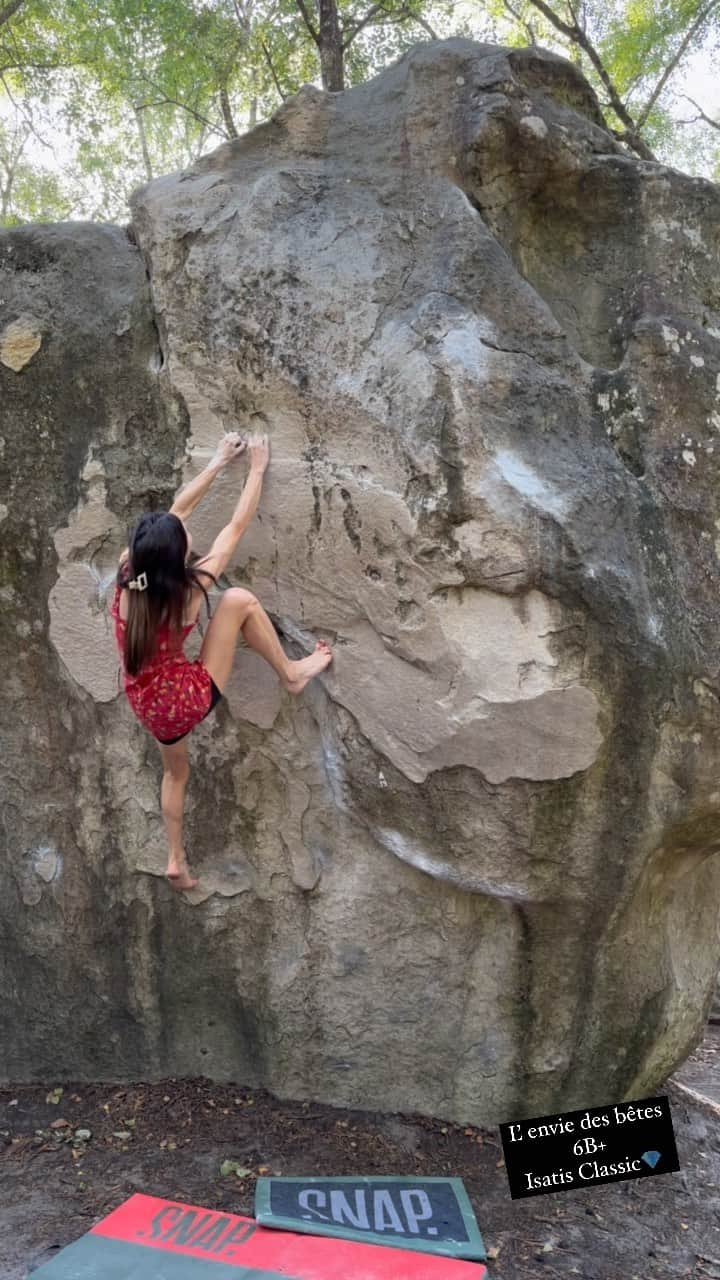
<point>142,87</point>
<point>643,36</point>
<point>29,193</point>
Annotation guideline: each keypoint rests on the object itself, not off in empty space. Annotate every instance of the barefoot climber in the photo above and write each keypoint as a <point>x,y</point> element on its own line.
<point>155,607</point>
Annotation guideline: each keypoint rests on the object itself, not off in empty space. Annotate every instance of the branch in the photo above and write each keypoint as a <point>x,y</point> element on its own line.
<point>14,50</point>
<point>570,32</point>
<point>37,66</point>
<point>307,20</point>
<point>9,9</point>
<point>392,19</point>
<point>243,13</point>
<point>518,18</point>
<point>19,148</point>
<point>23,114</point>
<point>423,22</point>
<point>173,102</point>
<point>682,50</point>
<point>578,36</point>
<point>193,146</point>
<point>405,15</point>
<point>633,83</point>
<point>353,28</point>
<point>11,168</point>
<point>144,106</point>
<point>273,72</point>
<point>715,123</point>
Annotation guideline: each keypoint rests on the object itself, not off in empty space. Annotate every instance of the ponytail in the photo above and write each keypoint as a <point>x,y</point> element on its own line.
<point>162,601</point>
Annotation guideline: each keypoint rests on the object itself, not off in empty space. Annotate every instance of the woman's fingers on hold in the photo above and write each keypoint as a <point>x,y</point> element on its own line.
<point>234,443</point>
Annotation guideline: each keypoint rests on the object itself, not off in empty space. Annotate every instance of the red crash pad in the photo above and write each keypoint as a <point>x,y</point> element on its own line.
<point>168,1240</point>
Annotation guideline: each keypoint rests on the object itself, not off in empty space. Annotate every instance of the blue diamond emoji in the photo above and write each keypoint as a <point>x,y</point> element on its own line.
<point>650,1157</point>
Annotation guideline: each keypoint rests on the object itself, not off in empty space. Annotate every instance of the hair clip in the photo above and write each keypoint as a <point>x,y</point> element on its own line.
<point>139,583</point>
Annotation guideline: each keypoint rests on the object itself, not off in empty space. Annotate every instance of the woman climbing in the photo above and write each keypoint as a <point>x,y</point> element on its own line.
<point>155,607</point>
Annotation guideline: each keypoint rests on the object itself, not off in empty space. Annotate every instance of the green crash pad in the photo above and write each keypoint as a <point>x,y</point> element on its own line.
<point>431,1215</point>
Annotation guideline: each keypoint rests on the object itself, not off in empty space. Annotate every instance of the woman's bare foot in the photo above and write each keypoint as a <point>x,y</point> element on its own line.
<point>303,671</point>
<point>178,875</point>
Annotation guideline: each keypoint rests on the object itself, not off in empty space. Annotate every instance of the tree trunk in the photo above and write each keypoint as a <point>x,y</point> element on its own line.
<point>252,121</point>
<point>6,193</point>
<point>143,144</point>
<point>11,167</point>
<point>227,113</point>
<point>330,43</point>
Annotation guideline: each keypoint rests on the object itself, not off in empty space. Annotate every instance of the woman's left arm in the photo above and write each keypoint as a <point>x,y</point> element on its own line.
<point>188,497</point>
<point>230,447</point>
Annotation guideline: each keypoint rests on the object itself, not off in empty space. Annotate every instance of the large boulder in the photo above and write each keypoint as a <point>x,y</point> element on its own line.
<point>471,870</point>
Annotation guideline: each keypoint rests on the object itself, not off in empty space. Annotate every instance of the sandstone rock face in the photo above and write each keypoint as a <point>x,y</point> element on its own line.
<point>472,870</point>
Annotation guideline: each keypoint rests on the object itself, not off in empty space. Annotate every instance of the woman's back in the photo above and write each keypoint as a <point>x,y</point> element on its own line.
<point>169,694</point>
<point>168,641</point>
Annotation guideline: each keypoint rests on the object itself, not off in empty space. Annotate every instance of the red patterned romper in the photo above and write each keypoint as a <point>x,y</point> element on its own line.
<point>170,695</point>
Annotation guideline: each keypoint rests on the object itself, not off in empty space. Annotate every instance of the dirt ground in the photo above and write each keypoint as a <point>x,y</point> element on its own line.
<point>170,1139</point>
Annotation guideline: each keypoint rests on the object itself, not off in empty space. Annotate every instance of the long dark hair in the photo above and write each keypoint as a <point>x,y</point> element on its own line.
<point>157,547</point>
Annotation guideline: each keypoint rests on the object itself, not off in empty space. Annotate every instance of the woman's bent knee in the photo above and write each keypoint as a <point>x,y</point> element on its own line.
<point>241,599</point>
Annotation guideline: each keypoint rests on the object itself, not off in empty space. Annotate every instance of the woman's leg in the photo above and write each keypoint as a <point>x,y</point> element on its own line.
<point>176,771</point>
<point>240,610</point>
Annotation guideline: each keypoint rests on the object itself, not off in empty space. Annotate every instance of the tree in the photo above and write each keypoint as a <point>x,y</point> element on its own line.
<point>149,84</point>
<point>333,33</point>
<point>29,193</point>
<point>630,49</point>
<point>145,86</point>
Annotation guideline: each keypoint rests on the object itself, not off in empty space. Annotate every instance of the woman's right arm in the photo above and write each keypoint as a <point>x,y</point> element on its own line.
<point>259,455</point>
<point>220,553</point>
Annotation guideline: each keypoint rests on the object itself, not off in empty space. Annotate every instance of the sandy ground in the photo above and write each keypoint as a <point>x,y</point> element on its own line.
<point>177,1134</point>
